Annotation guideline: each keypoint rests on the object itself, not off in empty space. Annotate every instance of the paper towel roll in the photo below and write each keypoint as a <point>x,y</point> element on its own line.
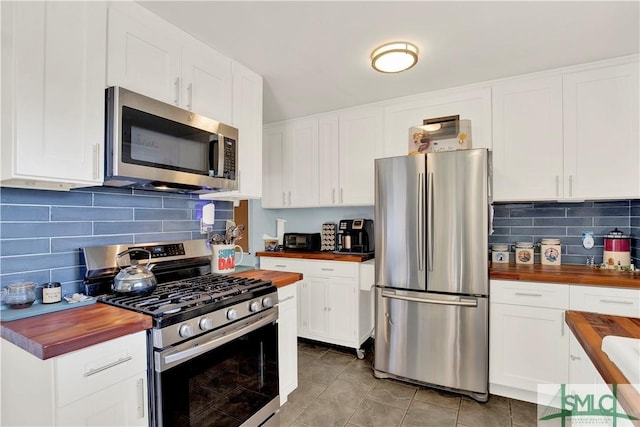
<point>280,229</point>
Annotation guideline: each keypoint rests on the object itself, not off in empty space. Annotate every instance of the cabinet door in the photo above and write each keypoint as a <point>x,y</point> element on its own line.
<point>360,144</point>
<point>287,340</point>
<point>328,166</point>
<point>601,120</point>
<point>474,105</point>
<point>247,118</point>
<point>206,82</point>
<point>273,194</point>
<point>53,66</point>
<point>301,164</point>
<point>122,404</point>
<point>527,139</point>
<point>144,56</point>
<point>342,310</point>
<point>529,346</point>
<point>312,310</point>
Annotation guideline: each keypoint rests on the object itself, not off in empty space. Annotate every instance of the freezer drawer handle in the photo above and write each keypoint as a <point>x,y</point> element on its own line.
<point>460,302</point>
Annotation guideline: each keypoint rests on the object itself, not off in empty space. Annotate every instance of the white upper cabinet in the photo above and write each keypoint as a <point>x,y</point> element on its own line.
<point>601,123</point>
<point>360,144</point>
<point>328,165</point>
<point>149,56</point>
<point>552,133</point>
<point>207,83</point>
<point>471,104</point>
<point>53,62</point>
<point>290,165</point>
<point>527,139</point>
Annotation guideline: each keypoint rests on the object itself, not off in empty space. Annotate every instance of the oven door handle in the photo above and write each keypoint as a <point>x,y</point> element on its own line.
<point>170,359</point>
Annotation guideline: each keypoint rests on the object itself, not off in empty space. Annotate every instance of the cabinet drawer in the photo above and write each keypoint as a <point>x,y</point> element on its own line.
<point>606,300</point>
<point>549,295</point>
<point>94,368</point>
<point>333,269</point>
<point>282,264</point>
<point>287,294</point>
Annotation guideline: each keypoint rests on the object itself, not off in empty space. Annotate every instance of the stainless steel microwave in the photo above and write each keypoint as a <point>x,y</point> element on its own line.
<point>157,146</point>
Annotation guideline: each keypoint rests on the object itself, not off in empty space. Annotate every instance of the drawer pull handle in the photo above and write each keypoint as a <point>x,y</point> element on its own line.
<point>528,294</point>
<point>326,269</point>
<point>105,367</point>
<point>280,301</point>
<point>575,357</point>
<point>611,301</point>
<point>281,265</point>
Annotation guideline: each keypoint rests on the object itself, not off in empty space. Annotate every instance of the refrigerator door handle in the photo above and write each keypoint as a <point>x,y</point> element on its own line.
<point>465,302</point>
<point>430,221</point>
<point>421,222</point>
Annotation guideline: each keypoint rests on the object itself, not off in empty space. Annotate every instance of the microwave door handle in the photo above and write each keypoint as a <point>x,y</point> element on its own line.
<point>221,154</point>
<point>215,149</point>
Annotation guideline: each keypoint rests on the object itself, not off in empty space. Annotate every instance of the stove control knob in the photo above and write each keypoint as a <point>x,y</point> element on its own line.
<point>255,306</point>
<point>267,302</point>
<point>186,331</point>
<point>232,314</point>
<point>205,324</point>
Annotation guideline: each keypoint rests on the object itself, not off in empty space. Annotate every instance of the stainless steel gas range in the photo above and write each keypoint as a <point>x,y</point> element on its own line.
<point>213,348</point>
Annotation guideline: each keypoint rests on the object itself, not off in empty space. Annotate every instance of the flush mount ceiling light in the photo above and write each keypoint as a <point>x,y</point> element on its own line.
<point>394,57</point>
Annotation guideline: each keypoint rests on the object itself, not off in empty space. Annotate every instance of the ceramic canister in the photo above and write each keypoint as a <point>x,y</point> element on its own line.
<point>617,249</point>
<point>500,253</point>
<point>550,252</point>
<point>524,253</point>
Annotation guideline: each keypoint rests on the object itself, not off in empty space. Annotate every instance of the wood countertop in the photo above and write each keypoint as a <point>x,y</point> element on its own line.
<point>61,332</point>
<point>572,274</point>
<point>589,329</point>
<point>54,334</point>
<point>278,278</point>
<point>326,256</point>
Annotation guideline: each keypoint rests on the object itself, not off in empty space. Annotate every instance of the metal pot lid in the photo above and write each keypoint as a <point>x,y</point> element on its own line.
<point>617,234</point>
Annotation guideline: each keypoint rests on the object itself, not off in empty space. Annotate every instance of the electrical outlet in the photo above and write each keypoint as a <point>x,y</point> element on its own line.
<point>205,228</point>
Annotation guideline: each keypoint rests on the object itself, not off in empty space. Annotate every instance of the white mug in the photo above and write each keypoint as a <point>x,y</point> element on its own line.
<point>224,258</point>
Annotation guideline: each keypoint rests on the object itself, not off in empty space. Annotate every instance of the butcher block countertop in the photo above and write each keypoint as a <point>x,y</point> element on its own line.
<point>278,278</point>
<point>61,332</point>
<point>572,274</point>
<point>589,329</point>
<point>325,256</point>
<point>54,334</point>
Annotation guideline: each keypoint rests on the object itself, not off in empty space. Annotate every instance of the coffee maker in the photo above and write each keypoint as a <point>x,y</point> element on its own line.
<point>355,236</point>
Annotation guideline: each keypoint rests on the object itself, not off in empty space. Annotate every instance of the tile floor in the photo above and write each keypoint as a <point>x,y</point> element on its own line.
<point>337,389</point>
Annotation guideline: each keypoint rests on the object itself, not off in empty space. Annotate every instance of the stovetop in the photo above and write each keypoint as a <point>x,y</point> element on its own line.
<point>176,301</point>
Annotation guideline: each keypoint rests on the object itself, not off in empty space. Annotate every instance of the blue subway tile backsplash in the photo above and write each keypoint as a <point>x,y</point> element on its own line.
<point>515,222</point>
<point>42,232</point>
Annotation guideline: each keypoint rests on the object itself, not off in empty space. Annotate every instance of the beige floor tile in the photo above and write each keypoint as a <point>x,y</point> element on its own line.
<point>324,413</point>
<point>342,392</point>
<point>424,414</point>
<point>474,414</point>
<point>288,413</point>
<point>392,393</point>
<point>375,414</point>
<point>524,414</point>
<point>318,374</point>
<point>358,372</point>
<point>438,397</point>
<point>305,394</point>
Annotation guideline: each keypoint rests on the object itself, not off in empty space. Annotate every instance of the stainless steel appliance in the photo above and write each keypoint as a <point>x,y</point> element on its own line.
<point>213,347</point>
<point>308,242</point>
<point>157,146</point>
<point>432,273</point>
<point>356,236</point>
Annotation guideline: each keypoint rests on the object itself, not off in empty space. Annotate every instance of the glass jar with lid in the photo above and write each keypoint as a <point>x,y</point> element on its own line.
<point>500,253</point>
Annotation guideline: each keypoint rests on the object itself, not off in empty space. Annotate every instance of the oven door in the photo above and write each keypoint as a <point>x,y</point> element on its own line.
<point>227,377</point>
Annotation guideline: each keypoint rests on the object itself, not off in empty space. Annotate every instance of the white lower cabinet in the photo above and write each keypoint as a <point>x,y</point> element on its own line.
<point>332,307</point>
<point>101,385</point>
<point>531,344</point>
<point>287,340</point>
<point>529,340</point>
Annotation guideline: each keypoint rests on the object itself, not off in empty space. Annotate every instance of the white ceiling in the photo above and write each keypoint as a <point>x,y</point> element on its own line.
<point>314,56</point>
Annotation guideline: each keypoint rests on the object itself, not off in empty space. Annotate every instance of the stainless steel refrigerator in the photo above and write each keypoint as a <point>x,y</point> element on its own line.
<point>432,272</point>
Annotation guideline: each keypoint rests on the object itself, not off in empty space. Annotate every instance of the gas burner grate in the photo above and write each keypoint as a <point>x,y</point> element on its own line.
<point>188,294</point>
